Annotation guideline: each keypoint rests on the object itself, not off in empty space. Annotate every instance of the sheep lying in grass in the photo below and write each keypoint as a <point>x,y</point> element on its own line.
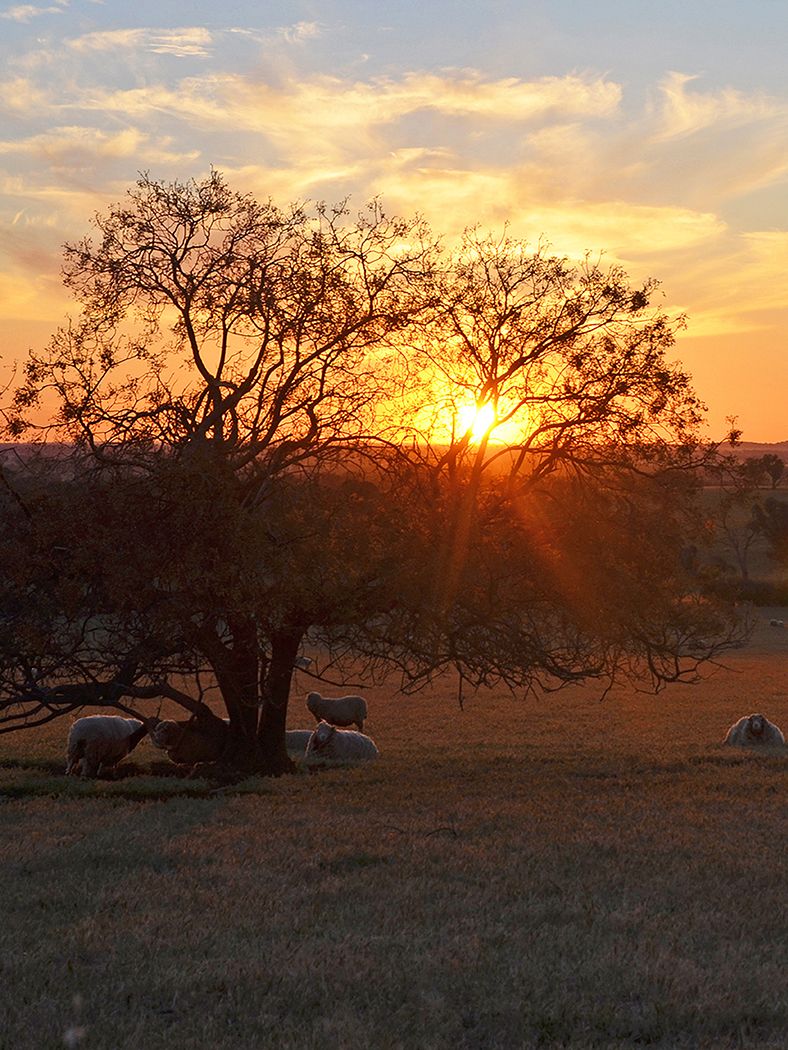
<point>296,740</point>
<point>345,745</point>
<point>338,711</point>
<point>191,741</point>
<point>754,731</point>
<point>98,742</point>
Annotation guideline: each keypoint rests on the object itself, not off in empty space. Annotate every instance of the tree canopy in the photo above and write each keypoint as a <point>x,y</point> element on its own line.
<point>263,438</point>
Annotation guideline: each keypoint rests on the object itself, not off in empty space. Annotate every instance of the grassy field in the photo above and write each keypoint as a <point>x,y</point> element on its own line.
<point>556,873</point>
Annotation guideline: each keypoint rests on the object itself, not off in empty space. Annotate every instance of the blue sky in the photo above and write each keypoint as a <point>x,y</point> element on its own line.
<point>657,133</point>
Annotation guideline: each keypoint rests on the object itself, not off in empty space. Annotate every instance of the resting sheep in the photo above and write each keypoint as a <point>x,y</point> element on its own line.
<point>191,741</point>
<point>754,731</point>
<point>338,711</point>
<point>345,745</point>
<point>98,742</point>
<point>296,740</point>
<point>188,742</point>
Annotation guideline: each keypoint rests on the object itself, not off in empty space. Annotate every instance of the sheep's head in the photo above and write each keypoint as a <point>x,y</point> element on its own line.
<point>323,734</point>
<point>756,724</point>
<point>313,702</point>
<point>166,734</point>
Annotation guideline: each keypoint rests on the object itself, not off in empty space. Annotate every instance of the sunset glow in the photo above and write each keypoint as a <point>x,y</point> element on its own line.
<point>654,135</point>
<point>479,421</point>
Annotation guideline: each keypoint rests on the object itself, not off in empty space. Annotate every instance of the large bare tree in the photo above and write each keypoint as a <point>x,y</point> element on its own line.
<point>235,473</point>
<point>222,345</point>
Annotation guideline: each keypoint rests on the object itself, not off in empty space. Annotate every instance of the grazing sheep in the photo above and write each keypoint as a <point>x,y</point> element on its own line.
<point>776,623</point>
<point>191,741</point>
<point>754,731</point>
<point>338,711</point>
<point>296,740</point>
<point>99,742</point>
<point>345,745</point>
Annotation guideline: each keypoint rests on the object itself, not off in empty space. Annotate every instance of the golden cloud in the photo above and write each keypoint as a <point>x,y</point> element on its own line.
<point>20,96</point>
<point>78,146</point>
<point>189,41</point>
<point>560,156</point>
<point>27,12</point>
<point>683,112</point>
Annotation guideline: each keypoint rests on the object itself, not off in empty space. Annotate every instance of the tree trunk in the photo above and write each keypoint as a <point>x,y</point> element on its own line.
<point>453,562</point>
<point>276,693</point>
<point>237,677</point>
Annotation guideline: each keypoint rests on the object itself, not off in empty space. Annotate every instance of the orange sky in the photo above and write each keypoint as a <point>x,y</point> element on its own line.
<point>657,137</point>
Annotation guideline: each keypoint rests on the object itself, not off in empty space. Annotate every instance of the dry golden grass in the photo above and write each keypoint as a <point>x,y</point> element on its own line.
<point>555,874</point>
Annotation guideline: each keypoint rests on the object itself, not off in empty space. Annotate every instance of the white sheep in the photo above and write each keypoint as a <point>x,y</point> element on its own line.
<point>339,710</point>
<point>345,745</point>
<point>296,740</point>
<point>99,742</point>
<point>754,731</point>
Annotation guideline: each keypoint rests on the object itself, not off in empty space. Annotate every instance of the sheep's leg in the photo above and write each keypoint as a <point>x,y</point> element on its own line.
<point>74,758</point>
<point>92,760</point>
<point>360,725</point>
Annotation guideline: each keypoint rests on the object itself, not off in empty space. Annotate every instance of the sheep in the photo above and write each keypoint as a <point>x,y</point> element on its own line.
<point>296,740</point>
<point>777,623</point>
<point>345,745</point>
<point>99,742</point>
<point>302,662</point>
<point>338,711</point>
<point>754,731</point>
<point>191,741</point>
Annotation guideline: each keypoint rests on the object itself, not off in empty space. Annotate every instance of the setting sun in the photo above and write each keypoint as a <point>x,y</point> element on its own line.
<point>480,421</point>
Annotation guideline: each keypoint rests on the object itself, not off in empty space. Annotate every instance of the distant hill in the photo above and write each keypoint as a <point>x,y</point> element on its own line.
<point>751,449</point>
<point>21,452</point>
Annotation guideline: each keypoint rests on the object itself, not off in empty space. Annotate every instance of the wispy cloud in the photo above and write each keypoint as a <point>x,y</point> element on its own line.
<point>330,124</point>
<point>188,41</point>
<point>453,93</point>
<point>624,229</point>
<point>72,147</point>
<point>682,111</point>
<point>192,41</point>
<point>299,32</point>
<point>27,12</point>
<point>666,188</point>
<point>21,96</point>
